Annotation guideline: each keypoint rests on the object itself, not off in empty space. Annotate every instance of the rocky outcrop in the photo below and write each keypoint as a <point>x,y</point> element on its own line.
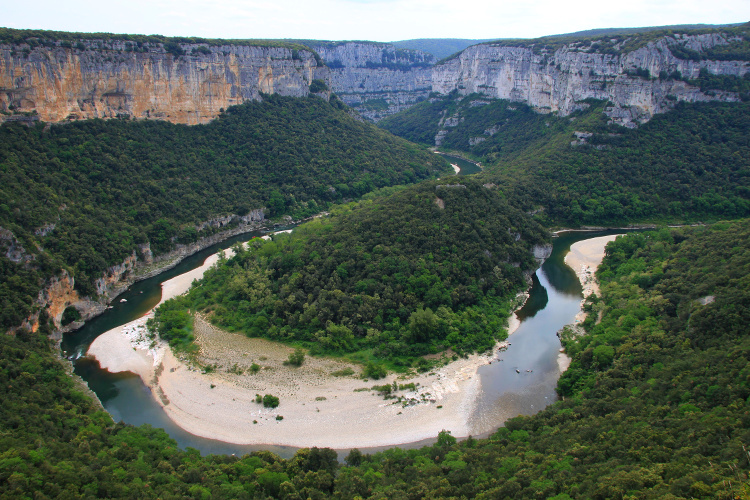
<point>377,79</point>
<point>59,292</point>
<point>117,78</point>
<point>12,249</point>
<point>638,83</point>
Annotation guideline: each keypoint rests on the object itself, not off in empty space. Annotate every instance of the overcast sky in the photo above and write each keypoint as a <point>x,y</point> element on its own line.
<point>378,20</point>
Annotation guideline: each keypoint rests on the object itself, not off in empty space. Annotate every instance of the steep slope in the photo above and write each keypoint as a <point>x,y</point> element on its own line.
<point>91,201</point>
<point>431,267</point>
<point>640,75</point>
<point>376,79</point>
<point>58,76</point>
<point>689,164</point>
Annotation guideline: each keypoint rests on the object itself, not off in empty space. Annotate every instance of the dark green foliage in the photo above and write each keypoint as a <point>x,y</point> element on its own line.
<point>173,323</point>
<point>515,126</point>
<point>374,371</point>
<point>70,314</point>
<point>318,86</point>
<point>656,406</point>
<point>685,164</point>
<point>55,443</point>
<point>430,267</point>
<point>270,401</point>
<point>656,399</point>
<point>729,83</point>
<point>107,186</point>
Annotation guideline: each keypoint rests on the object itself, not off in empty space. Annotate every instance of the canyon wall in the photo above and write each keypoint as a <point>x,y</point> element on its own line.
<point>191,82</point>
<point>377,79</point>
<point>59,291</point>
<point>116,78</point>
<point>638,83</point>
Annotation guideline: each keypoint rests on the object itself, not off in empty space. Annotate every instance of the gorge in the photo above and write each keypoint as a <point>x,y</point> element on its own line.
<point>82,76</point>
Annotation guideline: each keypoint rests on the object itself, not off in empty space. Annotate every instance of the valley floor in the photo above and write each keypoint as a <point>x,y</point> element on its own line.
<point>318,408</point>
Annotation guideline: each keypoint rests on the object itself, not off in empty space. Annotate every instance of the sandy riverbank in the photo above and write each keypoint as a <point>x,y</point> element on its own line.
<point>318,409</point>
<point>584,258</point>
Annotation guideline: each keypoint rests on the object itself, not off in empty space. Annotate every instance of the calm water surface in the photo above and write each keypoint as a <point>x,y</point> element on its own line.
<point>554,300</point>
<point>466,167</point>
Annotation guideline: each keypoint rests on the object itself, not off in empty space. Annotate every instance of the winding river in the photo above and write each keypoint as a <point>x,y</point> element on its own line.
<point>521,381</point>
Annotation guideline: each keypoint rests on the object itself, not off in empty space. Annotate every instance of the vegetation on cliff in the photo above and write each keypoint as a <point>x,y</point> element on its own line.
<point>431,267</point>
<point>81,196</point>
<point>623,41</point>
<point>135,43</point>
<point>687,164</point>
<point>656,406</point>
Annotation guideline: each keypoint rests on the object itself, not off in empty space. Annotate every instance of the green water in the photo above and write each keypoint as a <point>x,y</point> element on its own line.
<point>553,303</point>
<point>467,167</point>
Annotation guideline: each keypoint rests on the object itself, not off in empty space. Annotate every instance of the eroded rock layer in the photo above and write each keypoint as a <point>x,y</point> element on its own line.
<point>114,78</point>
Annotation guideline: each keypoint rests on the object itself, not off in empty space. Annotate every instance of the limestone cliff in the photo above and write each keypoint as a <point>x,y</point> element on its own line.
<point>59,291</point>
<point>377,79</point>
<point>117,78</point>
<point>637,82</point>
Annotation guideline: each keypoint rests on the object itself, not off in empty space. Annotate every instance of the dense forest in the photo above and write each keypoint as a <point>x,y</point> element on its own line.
<point>656,406</point>
<point>686,165</point>
<point>81,196</point>
<point>432,267</point>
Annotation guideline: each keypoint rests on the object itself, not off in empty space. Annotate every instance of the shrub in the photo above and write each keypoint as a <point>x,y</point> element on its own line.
<point>374,371</point>
<point>296,358</point>
<point>344,372</point>
<point>70,315</point>
<point>270,401</point>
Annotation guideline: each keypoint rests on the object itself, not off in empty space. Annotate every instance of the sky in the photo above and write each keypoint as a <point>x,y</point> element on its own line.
<point>376,20</point>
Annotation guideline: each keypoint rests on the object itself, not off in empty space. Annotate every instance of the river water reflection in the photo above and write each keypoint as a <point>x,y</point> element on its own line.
<point>554,301</point>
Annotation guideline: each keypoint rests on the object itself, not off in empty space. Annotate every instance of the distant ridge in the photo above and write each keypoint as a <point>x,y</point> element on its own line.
<point>444,47</point>
<point>439,47</point>
<point>631,31</point>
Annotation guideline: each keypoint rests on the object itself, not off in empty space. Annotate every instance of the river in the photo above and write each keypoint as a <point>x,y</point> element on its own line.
<point>522,383</point>
<point>466,167</point>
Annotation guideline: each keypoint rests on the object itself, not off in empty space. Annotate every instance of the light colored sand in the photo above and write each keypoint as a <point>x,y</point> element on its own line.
<point>127,348</point>
<point>318,408</point>
<point>455,168</point>
<point>584,258</point>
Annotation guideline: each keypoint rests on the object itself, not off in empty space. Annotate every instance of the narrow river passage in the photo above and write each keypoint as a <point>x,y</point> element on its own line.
<point>521,380</point>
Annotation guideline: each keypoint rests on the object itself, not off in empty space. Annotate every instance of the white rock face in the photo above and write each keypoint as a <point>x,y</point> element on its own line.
<point>558,81</point>
<point>378,79</point>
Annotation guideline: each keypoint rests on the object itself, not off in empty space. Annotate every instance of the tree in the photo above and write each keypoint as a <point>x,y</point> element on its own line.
<point>422,324</point>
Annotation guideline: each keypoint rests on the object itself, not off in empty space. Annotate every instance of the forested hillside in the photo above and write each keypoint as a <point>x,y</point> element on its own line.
<point>431,267</point>
<point>656,406</point>
<point>81,196</point>
<point>686,165</point>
